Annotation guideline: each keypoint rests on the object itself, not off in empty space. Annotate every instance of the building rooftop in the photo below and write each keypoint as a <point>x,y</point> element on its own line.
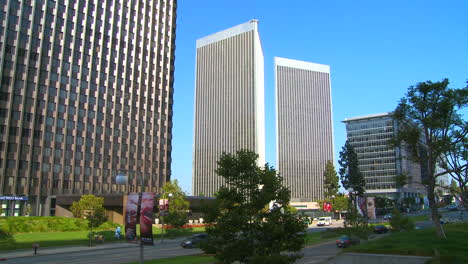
<point>228,33</point>
<point>357,118</point>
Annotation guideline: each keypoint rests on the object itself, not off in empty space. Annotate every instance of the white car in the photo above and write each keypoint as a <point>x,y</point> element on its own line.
<point>324,221</point>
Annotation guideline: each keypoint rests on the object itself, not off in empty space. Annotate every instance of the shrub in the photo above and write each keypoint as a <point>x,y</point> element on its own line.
<point>21,224</point>
<point>399,222</point>
<point>6,240</point>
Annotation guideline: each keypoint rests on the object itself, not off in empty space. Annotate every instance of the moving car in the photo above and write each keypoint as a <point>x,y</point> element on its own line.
<point>346,241</point>
<point>324,221</point>
<point>380,229</point>
<point>194,240</point>
<point>452,207</point>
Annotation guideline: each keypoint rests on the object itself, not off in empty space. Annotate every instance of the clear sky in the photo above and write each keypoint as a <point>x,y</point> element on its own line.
<point>376,50</point>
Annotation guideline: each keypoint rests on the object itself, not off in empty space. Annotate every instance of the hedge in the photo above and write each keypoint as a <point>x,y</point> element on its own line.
<point>24,224</point>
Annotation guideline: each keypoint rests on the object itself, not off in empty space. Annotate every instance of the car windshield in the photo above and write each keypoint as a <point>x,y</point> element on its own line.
<point>344,238</point>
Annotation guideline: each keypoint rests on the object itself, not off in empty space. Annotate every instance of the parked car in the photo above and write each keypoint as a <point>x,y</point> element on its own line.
<point>452,207</point>
<point>194,240</point>
<point>346,241</point>
<point>380,229</point>
<point>387,217</point>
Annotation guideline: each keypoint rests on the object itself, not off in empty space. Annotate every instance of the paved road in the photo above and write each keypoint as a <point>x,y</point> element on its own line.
<point>318,253</point>
<point>126,254</point>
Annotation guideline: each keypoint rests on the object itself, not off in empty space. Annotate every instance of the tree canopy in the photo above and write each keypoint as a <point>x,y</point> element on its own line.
<point>430,125</point>
<point>178,204</point>
<point>253,222</point>
<point>91,208</point>
<point>330,180</point>
<point>350,175</point>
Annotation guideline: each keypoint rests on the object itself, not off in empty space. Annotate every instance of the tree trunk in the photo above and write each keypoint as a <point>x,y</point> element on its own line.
<point>434,212</point>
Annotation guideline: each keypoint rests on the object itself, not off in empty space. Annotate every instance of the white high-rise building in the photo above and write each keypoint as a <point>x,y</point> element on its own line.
<point>304,139</point>
<point>229,101</point>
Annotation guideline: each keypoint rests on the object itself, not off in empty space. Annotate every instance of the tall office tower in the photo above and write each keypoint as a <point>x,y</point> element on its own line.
<point>304,126</point>
<point>229,103</point>
<point>86,90</point>
<point>379,162</point>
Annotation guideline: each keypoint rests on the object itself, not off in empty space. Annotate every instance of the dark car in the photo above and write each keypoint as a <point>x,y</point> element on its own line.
<point>380,229</point>
<point>346,241</point>
<point>387,217</point>
<point>194,240</point>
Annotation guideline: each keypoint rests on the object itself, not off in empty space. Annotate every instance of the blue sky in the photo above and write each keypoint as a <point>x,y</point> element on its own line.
<point>376,50</point>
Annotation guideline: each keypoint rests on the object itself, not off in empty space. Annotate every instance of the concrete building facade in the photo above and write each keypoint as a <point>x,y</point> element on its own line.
<point>86,91</point>
<point>229,101</point>
<point>304,139</point>
<point>378,161</point>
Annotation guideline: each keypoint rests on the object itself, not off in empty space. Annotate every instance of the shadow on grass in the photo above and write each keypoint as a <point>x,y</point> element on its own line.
<point>423,243</point>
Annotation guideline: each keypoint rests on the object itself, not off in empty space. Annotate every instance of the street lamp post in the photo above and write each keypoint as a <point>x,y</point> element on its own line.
<point>162,215</point>
<point>122,178</point>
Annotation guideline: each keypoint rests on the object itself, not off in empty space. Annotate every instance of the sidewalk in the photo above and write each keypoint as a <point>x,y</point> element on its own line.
<point>5,255</point>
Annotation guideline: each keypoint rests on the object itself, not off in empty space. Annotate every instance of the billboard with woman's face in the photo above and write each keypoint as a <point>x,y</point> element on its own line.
<point>131,211</point>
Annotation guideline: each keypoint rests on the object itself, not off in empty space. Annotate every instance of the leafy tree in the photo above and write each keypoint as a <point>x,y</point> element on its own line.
<point>330,180</point>
<point>91,208</point>
<point>429,120</point>
<point>339,202</point>
<point>247,228</point>
<point>350,175</point>
<point>1,210</point>
<point>455,161</point>
<point>178,204</point>
<point>399,222</point>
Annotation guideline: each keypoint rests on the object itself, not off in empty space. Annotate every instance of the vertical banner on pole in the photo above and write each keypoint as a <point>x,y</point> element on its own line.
<point>361,205</point>
<point>131,217</point>
<point>146,218</point>
<point>371,208</point>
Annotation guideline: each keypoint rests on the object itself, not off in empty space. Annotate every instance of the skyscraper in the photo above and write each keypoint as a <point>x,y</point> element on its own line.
<point>379,162</point>
<point>86,90</point>
<point>304,126</point>
<point>229,103</point>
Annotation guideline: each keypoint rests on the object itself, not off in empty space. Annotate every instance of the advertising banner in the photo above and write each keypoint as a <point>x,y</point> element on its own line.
<point>146,218</point>
<point>361,205</point>
<point>371,208</point>
<point>131,217</point>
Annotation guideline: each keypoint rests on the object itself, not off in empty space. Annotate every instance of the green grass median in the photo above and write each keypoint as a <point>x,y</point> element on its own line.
<point>22,232</point>
<point>422,243</point>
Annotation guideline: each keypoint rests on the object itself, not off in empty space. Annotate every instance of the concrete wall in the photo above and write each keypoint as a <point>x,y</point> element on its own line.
<point>63,211</point>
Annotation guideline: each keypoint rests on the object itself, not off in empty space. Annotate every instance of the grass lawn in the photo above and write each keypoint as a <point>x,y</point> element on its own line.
<point>419,218</point>
<point>67,238</point>
<point>423,243</point>
<point>51,239</point>
<point>317,237</point>
<point>197,259</point>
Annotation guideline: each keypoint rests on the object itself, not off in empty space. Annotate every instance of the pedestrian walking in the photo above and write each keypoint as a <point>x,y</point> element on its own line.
<point>117,233</point>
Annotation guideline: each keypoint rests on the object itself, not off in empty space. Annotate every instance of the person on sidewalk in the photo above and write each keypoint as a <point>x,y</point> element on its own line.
<point>117,233</point>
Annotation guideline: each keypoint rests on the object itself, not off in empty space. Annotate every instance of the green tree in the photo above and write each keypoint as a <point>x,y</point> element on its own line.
<point>330,180</point>
<point>339,202</point>
<point>91,208</point>
<point>1,210</point>
<point>253,222</point>
<point>178,204</point>
<point>455,161</point>
<point>429,119</point>
<point>350,175</point>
